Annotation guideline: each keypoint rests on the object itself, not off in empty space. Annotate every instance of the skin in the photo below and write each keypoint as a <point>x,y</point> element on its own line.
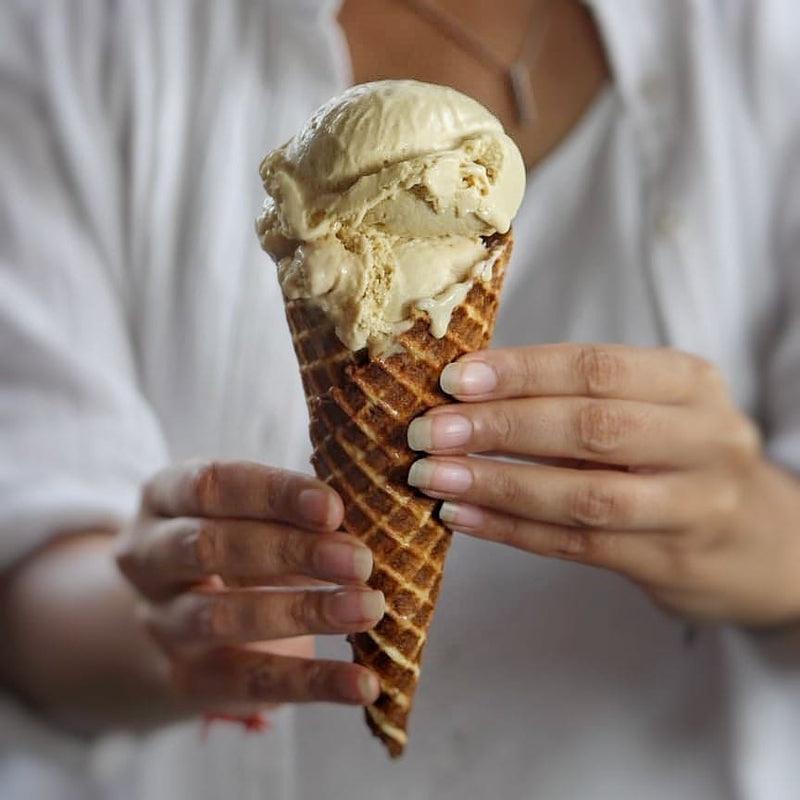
<point>629,459</point>
<point>568,72</point>
<point>188,607</point>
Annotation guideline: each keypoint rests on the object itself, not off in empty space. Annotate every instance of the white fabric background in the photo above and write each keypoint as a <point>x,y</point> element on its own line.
<point>139,323</point>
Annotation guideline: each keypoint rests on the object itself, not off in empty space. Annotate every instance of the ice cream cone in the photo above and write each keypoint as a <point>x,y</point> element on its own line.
<point>360,406</point>
<point>387,215</point>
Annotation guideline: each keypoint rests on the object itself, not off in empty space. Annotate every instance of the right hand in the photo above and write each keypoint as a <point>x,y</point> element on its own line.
<point>206,530</point>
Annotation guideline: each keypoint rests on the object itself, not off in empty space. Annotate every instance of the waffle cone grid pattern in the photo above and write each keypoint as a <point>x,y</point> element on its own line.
<point>360,408</point>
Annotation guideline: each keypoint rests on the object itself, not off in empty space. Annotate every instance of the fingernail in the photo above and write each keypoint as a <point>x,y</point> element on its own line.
<point>315,507</point>
<point>352,607</point>
<point>439,476</point>
<point>188,550</point>
<point>368,688</point>
<point>468,377</point>
<point>340,561</point>
<point>461,516</point>
<point>439,432</point>
<point>365,689</point>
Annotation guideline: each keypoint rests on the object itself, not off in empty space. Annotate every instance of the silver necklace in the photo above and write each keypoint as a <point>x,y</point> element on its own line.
<point>518,72</point>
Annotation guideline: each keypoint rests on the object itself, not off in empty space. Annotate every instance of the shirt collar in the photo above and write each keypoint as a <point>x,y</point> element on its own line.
<point>641,41</point>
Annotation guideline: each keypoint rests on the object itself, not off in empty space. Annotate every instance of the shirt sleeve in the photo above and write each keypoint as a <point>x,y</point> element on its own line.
<point>779,102</point>
<point>78,437</point>
<point>782,379</point>
<point>763,668</point>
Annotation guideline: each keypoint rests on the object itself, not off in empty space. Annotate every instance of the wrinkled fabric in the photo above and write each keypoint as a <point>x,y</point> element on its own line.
<point>140,323</point>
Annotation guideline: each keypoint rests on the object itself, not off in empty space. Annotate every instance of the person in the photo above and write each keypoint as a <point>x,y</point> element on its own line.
<point>623,620</point>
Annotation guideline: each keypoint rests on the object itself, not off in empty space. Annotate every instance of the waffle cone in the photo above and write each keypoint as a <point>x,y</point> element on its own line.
<point>360,408</point>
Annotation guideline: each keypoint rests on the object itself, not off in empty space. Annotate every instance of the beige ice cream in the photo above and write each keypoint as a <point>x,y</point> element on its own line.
<point>379,205</point>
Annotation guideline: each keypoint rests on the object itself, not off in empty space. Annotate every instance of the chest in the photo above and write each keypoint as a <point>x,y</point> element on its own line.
<point>605,255</point>
<point>606,249</point>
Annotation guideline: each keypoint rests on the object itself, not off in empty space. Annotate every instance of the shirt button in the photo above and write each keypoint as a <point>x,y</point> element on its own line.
<point>669,224</point>
<point>653,88</point>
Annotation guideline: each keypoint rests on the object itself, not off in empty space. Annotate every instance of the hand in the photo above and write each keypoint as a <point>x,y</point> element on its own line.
<point>630,459</point>
<point>209,546</point>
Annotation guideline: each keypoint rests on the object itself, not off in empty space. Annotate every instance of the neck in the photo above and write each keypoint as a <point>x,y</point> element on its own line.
<point>569,70</point>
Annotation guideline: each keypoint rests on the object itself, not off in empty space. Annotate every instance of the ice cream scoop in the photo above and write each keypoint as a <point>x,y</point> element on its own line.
<point>382,201</point>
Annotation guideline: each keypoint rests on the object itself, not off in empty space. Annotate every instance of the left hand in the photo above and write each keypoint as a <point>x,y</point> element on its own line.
<point>631,459</point>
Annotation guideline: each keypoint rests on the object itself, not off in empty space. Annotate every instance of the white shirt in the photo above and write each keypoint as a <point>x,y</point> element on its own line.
<point>140,323</point>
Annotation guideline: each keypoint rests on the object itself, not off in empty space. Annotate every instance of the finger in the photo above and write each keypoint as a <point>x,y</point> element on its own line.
<point>639,556</point>
<point>576,498</point>
<point>169,554</point>
<point>233,677</point>
<point>605,431</point>
<point>255,615</point>
<point>243,490</point>
<point>657,375</point>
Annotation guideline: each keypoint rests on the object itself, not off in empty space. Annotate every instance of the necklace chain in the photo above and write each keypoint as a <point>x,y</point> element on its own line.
<point>518,72</point>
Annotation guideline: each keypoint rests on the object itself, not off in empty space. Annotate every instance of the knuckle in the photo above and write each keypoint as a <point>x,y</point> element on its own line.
<point>206,483</point>
<point>204,542</point>
<point>504,488</point>
<point>594,506</point>
<point>211,618</point>
<point>262,681</point>
<point>571,544</point>
<point>598,370</point>
<point>741,441</point>
<point>277,492</point>
<point>598,428</point>
<point>286,551</point>
<point>707,377</point>
<point>526,371</point>
<point>500,426</point>
<point>302,607</point>
<point>316,681</point>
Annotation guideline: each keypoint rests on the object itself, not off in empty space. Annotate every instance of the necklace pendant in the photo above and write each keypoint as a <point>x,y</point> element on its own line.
<point>519,79</point>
